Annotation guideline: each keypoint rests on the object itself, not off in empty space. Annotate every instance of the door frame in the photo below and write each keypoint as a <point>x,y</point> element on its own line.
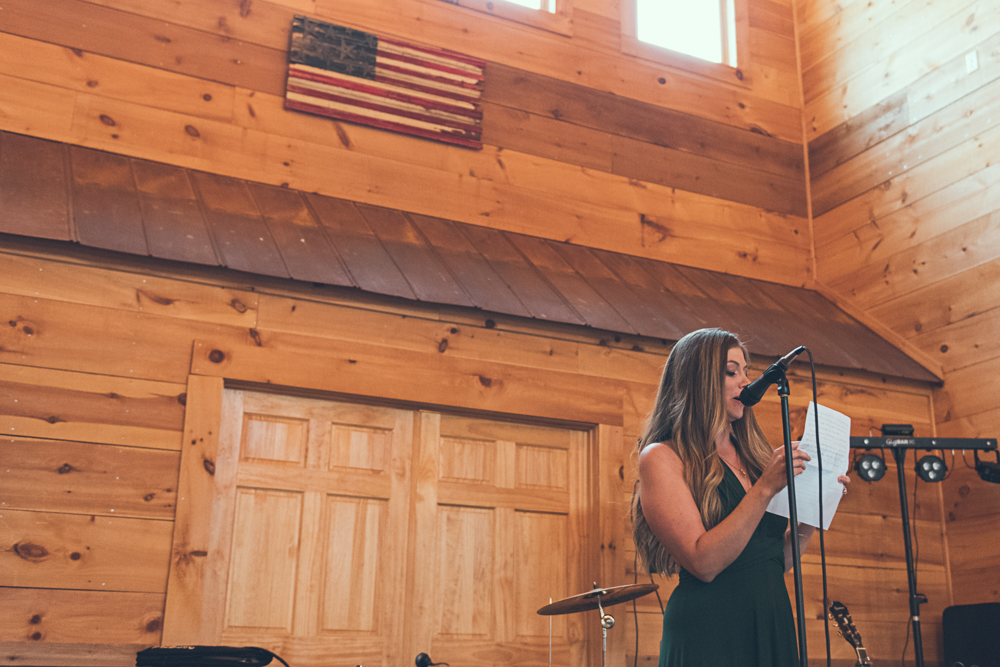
<point>367,373</point>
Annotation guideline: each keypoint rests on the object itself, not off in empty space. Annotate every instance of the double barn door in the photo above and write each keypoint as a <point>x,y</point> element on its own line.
<point>346,534</point>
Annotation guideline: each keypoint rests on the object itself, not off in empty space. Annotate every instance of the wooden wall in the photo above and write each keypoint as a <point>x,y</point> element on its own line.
<point>903,148</point>
<point>95,391</point>
<point>583,143</point>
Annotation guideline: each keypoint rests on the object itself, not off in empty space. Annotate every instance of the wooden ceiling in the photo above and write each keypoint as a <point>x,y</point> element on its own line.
<point>104,200</point>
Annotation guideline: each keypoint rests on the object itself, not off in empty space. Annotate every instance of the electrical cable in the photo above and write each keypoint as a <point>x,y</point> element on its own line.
<point>822,542</point>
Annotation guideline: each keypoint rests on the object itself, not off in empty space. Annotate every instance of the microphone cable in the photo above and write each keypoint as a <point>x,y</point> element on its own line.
<point>822,542</point>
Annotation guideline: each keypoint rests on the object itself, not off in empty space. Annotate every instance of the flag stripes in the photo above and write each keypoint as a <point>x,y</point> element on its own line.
<point>358,77</point>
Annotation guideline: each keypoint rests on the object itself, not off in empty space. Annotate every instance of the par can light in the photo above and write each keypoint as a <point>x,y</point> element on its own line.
<point>931,468</point>
<point>870,467</point>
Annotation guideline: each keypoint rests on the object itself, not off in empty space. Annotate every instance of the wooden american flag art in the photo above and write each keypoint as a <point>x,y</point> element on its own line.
<point>363,78</point>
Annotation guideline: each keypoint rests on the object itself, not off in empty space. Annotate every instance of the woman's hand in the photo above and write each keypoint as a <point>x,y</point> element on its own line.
<point>845,480</point>
<point>773,477</point>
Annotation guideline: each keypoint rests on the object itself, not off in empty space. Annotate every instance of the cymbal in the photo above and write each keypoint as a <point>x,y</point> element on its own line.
<point>606,596</point>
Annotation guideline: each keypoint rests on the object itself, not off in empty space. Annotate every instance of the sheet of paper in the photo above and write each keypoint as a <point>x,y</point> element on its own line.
<point>835,439</point>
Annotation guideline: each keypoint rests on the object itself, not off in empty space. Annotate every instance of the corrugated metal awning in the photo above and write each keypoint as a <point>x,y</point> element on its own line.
<point>103,200</point>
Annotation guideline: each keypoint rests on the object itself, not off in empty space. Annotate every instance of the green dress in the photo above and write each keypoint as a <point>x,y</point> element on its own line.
<point>742,618</point>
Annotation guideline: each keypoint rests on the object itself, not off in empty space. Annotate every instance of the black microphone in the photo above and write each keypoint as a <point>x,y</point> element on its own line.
<point>753,392</point>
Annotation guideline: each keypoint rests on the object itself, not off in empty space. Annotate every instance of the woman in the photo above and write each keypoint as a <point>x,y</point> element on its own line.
<point>706,476</point>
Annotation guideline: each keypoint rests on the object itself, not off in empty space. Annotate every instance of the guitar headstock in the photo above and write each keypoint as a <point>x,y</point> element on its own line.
<point>839,613</point>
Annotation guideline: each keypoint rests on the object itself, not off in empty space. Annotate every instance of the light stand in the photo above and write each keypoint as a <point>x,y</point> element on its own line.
<point>899,445</point>
<point>783,392</point>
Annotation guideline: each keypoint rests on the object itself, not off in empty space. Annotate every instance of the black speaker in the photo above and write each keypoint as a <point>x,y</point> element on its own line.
<point>972,635</point>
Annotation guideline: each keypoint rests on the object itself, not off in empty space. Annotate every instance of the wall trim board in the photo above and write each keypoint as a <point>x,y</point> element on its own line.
<point>192,539</point>
<point>358,369</point>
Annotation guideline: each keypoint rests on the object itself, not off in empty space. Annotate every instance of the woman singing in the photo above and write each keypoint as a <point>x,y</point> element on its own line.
<point>706,476</point>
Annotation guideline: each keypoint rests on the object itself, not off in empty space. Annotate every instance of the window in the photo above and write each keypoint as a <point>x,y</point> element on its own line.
<point>705,36</point>
<point>705,30</point>
<point>552,15</point>
<point>541,5</point>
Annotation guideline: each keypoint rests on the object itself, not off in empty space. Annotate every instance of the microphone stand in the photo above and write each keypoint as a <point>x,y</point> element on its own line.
<point>783,392</point>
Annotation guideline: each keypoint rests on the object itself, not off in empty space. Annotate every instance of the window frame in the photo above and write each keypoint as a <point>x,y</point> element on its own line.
<point>560,21</point>
<point>739,75</point>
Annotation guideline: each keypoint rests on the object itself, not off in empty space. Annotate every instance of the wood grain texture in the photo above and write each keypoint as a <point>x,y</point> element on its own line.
<point>157,43</point>
<point>919,223</point>
<point>712,139</point>
<point>70,654</point>
<point>901,68</point>
<point>943,131</point>
<point>941,304</point>
<point>46,550</point>
<point>64,616</point>
<point>78,406</point>
<point>127,291</point>
<point>81,478</point>
<point>182,620</point>
<point>71,68</point>
<point>97,340</point>
<point>900,230</point>
<point>364,369</point>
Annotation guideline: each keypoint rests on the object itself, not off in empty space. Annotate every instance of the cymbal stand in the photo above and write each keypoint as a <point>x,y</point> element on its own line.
<point>607,622</point>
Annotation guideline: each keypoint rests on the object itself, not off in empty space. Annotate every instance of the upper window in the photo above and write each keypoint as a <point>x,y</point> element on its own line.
<point>705,30</point>
<point>705,36</point>
<point>553,15</point>
<point>543,5</point>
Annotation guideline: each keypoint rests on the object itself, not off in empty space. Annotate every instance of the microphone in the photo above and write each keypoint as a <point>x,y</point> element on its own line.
<point>753,392</point>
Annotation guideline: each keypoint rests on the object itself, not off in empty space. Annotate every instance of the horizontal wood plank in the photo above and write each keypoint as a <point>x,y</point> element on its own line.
<point>946,255</point>
<point>75,551</point>
<point>74,283</point>
<point>969,117</point>
<point>870,127</point>
<point>63,616</point>
<point>918,223</point>
<point>962,161</point>
<point>88,479</point>
<point>900,69</point>
<point>942,303</point>
<point>366,370</point>
<point>870,45</point>
<point>166,45</point>
<point>69,67</point>
<point>45,654</point>
<point>96,340</point>
<point>63,405</point>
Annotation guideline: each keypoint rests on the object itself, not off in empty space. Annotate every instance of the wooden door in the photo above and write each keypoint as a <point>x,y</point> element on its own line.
<point>310,529</point>
<point>503,524</point>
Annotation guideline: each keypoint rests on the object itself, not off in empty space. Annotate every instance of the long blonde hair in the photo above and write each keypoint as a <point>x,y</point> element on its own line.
<point>689,414</point>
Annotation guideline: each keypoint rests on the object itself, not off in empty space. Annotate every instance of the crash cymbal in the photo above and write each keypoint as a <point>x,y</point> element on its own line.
<point>606,596</point>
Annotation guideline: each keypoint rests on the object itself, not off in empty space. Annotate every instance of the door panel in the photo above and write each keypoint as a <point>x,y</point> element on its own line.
<point>313,506</point>
<point>497,506</point>
<point>317,553</point>
<point>263,564</point>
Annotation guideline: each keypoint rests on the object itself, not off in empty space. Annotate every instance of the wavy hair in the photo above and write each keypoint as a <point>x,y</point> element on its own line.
<point>688,415</point>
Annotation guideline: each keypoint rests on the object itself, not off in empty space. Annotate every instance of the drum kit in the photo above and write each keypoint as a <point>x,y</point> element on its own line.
<point>598,599</point>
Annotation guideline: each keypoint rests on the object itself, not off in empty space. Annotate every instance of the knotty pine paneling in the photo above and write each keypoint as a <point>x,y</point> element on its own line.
<point>907,217</point>
<point>915,54</point>
<point>580,156</point>
<point>95,387</point>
